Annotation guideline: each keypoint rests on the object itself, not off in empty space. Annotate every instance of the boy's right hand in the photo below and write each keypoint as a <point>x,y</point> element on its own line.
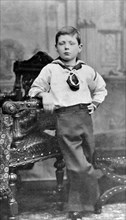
<point>91,108</point>
<point>47,101</point>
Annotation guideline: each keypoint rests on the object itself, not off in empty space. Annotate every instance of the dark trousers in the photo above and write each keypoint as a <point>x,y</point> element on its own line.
<point>76,140</point>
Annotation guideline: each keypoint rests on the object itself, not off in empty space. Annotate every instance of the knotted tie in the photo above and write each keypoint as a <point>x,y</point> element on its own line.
<point>73,80</point>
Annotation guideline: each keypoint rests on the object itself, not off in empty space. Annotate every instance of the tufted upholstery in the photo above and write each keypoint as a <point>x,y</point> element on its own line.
<point>5,144</point>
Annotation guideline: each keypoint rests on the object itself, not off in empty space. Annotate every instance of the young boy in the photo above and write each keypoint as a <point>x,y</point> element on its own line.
<point>73,90</point>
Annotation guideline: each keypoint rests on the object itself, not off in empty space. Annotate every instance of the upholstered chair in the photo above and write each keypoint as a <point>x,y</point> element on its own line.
<point>27,132</point>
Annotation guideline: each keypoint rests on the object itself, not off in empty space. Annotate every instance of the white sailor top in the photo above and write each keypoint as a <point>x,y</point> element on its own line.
<point>53,79</point>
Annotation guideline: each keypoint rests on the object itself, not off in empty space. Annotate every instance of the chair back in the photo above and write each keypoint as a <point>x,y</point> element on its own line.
<point>26,71</point>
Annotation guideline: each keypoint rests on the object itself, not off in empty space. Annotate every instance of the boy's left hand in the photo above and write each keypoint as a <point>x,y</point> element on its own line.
<point>91,108</point>
<point>48,105</point>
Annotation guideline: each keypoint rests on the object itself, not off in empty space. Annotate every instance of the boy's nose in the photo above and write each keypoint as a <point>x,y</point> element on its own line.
<point>66,46</point>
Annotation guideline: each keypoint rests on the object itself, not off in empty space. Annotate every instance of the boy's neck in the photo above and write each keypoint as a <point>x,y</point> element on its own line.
<point>69,63</point>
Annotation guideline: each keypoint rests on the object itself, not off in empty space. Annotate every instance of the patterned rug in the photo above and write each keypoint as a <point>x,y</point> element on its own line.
<point>110,212</point>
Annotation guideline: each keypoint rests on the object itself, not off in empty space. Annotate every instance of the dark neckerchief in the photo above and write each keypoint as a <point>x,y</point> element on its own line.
<point>72,80</point>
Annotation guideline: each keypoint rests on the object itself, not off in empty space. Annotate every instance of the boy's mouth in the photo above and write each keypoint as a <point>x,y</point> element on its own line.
<point>66,53</point>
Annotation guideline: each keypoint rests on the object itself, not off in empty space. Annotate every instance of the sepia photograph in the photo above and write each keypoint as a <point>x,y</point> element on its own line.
<point>62,109</point>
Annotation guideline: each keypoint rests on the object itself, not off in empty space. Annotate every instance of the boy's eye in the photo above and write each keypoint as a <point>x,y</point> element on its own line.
<point>70,43</point>
<point>61,43</point>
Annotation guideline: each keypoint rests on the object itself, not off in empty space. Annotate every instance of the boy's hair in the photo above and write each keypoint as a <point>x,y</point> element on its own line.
<point>68,30</point>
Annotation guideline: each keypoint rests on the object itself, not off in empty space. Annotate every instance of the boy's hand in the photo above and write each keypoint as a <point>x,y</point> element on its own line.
<point>91,108</point>
<point>47,101</point>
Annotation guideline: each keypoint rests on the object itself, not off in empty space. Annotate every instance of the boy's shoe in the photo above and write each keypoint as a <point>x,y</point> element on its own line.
<point>75,215</point>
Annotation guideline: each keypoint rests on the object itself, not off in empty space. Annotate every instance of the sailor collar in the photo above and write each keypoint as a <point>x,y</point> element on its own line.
<point>78,65</point>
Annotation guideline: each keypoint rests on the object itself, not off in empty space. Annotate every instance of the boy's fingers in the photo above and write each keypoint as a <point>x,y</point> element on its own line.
<point>48,108</point>
<point>91,112</point>
<point>90,106</point>
<point>91,109</point>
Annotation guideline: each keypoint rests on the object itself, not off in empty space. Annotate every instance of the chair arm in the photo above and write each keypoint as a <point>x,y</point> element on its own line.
<point>24,117</point>
<point>4,96</point>
<point>29,124</point>
<point>14,107</point>
<point>27,116</point>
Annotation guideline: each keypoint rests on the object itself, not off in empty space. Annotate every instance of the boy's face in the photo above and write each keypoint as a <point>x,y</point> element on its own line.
<point>68,47</point>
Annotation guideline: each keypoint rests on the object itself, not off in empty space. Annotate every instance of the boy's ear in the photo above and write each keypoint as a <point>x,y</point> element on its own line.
<point>80,47</point>
<point>56,47</point>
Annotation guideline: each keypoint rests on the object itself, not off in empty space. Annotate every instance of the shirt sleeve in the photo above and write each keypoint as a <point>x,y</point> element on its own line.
<point>98,88</point>
<point>42,83</point>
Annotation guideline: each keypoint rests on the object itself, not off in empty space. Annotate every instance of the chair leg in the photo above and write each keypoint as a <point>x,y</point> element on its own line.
<point>98,207</point>
<point>59,165</point>
<point>13,205</point>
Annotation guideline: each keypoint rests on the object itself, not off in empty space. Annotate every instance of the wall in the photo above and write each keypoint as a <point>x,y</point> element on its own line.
<point>28,26</point>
